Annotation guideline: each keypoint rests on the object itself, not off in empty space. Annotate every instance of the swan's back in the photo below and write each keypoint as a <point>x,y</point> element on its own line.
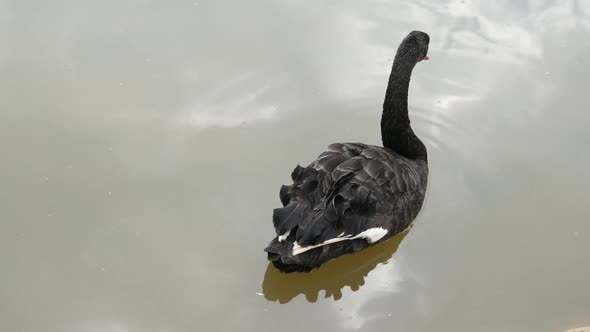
<point>352,196</point>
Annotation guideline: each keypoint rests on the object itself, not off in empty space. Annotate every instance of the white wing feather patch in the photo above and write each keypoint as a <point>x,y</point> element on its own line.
<point>372,235</point>
<point>284,236</point>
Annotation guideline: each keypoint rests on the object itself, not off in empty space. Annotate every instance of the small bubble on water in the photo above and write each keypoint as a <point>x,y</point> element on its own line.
<point>547,73</point>
<point>261,294</point>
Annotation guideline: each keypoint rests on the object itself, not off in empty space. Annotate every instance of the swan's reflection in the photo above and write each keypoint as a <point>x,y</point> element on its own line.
<point>349,270</point>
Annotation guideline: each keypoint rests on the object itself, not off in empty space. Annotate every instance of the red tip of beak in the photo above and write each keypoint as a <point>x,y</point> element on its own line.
<point>427,58</point>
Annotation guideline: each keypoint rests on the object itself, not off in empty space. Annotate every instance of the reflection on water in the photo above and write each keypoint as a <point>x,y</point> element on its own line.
<point>580,329</point>
<point>143,144</point>
<point>332,277</point>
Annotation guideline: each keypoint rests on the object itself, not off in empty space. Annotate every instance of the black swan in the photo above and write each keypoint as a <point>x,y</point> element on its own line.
<point>355,195</point>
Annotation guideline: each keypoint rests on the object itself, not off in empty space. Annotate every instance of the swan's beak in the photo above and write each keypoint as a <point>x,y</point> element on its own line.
<point>426,58</point>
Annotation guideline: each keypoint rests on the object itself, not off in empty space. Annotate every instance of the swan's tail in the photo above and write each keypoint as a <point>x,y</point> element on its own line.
<point>279,254</point>
<point>282,256</point>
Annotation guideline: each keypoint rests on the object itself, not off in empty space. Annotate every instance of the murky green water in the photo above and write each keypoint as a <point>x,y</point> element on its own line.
<point>143,145</point>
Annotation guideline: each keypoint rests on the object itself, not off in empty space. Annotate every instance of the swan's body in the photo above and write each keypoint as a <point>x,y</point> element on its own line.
<point>356,195</point>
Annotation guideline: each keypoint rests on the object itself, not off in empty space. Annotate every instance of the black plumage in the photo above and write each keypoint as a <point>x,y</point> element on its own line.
<point>355,195</point>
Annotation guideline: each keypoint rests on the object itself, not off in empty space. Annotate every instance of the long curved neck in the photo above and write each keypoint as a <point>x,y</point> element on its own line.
<point>396,132</point>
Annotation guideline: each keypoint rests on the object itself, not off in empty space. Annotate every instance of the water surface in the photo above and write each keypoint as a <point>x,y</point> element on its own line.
<point>143,145</point>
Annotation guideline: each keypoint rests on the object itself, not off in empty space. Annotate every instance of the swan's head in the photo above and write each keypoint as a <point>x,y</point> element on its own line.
<point>415,45</point>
